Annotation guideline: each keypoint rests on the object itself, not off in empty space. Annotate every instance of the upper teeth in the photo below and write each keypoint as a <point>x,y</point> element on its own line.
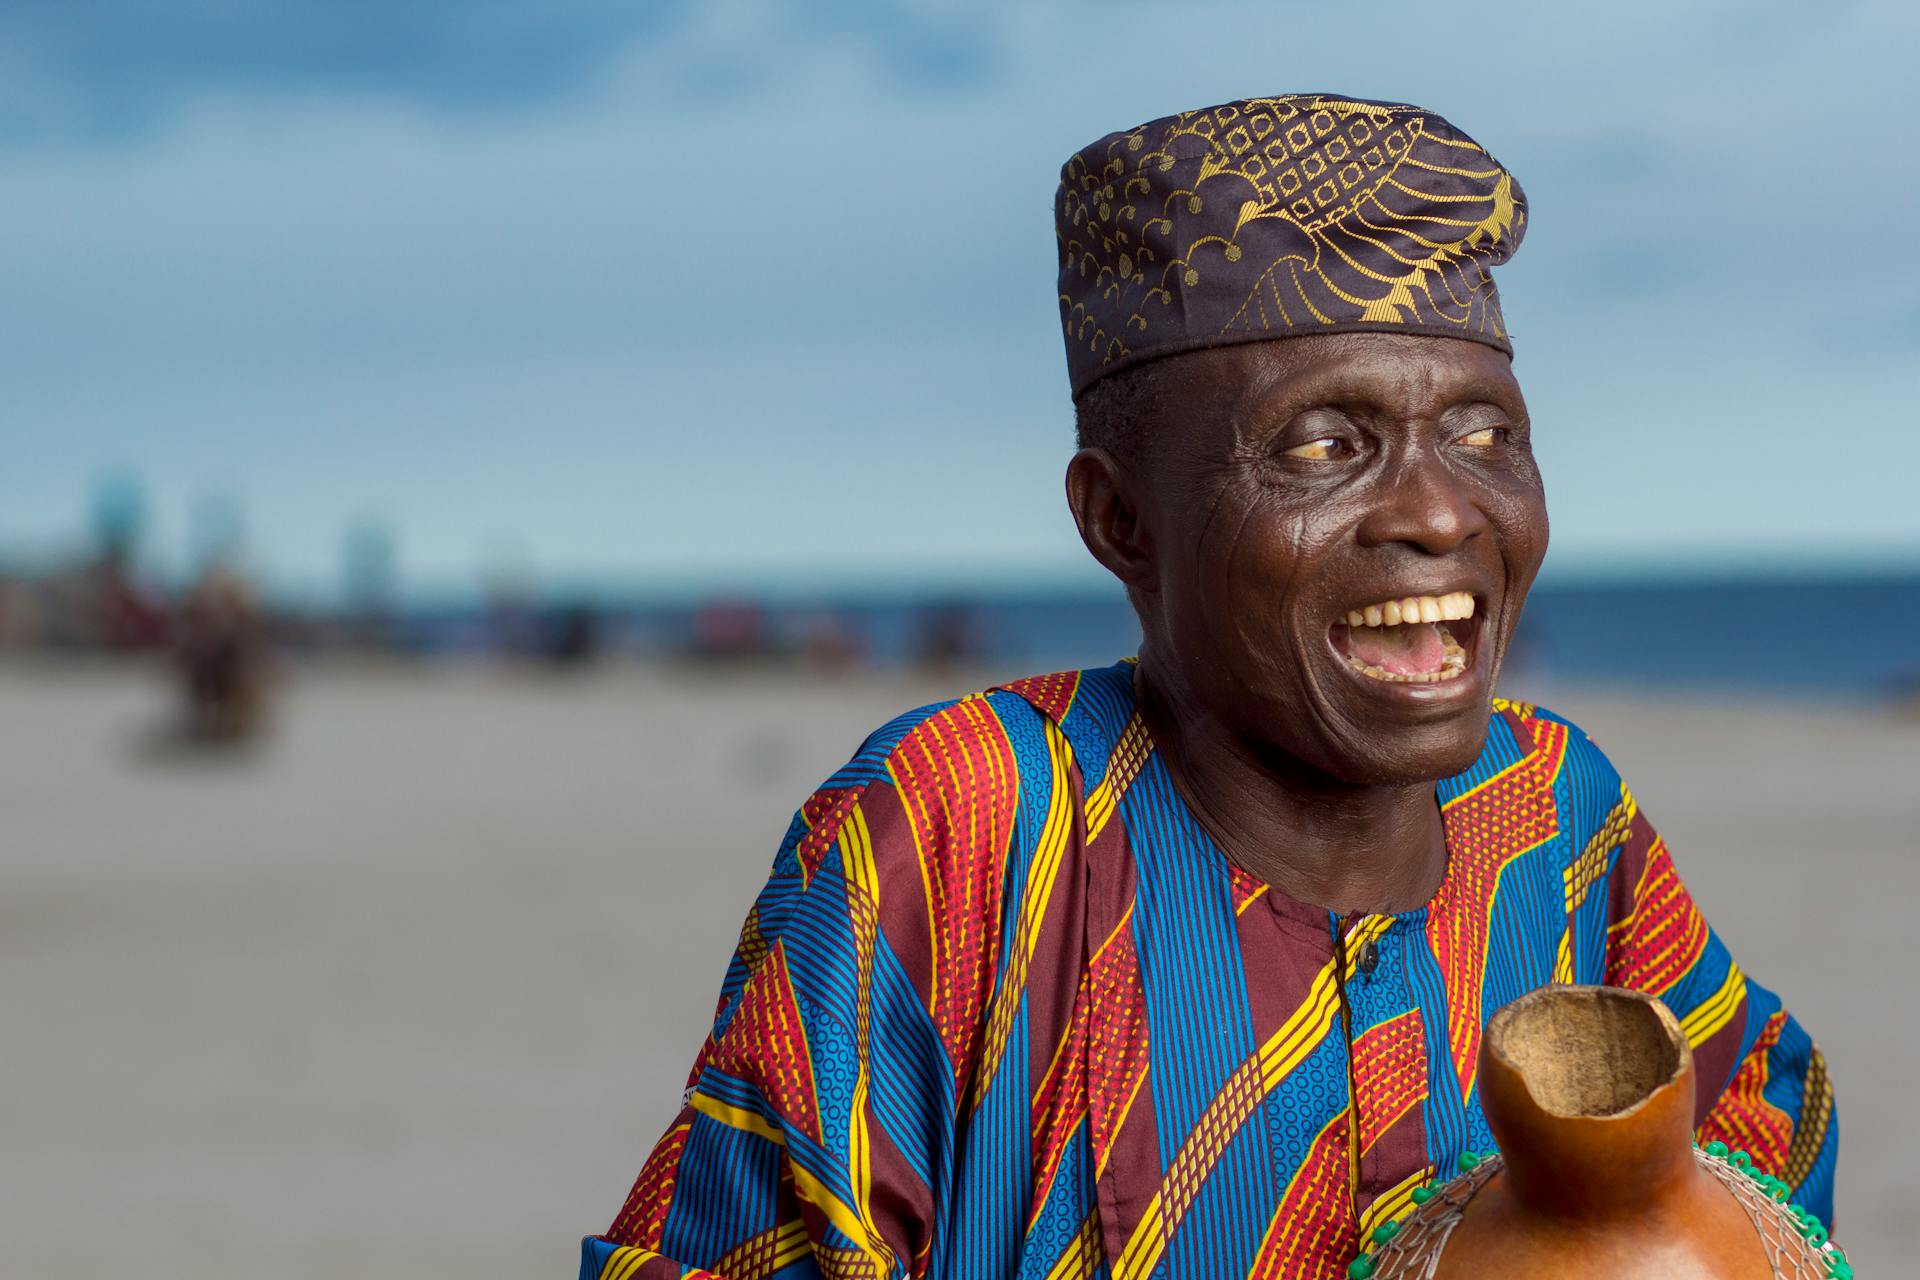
<point>1391,613</point>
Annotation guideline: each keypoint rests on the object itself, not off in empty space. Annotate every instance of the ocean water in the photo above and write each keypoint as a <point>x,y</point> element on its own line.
<point>1849,636</point>
<point>1855,637</point>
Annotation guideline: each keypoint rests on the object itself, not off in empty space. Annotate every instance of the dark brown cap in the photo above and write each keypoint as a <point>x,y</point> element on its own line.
<point>1276,217</point>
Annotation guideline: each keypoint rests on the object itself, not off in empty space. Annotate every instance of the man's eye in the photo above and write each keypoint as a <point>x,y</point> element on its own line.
<point>1323,450</point>
<point>1485,437</point>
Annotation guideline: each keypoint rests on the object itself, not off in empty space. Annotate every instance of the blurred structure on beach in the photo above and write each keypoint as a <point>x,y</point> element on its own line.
<point>1752,632</point>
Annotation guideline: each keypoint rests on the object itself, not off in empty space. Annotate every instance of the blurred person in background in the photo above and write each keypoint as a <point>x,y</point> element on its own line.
<point>221,650</point>
<point>1180,966</point>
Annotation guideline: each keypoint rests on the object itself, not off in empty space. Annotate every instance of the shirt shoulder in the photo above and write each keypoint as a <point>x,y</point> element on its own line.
<point>1090,707</point>
<point>978,725</point>
<point>1588,787</point>
<point>1538,723</point>
<point>969,779</point>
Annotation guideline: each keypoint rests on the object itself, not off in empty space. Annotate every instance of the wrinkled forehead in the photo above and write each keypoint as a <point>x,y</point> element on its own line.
<point>1395,373</point>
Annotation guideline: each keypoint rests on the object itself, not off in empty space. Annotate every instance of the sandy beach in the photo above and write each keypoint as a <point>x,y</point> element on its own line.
<point>412,990</point>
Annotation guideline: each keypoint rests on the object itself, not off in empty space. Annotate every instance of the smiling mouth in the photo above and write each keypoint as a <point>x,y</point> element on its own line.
<point>1415,640</point>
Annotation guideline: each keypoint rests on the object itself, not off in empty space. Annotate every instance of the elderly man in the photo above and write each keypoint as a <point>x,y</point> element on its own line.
<point>1179,967</point>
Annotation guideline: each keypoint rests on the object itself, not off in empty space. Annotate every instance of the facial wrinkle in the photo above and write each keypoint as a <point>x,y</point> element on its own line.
<point>1236,548</point>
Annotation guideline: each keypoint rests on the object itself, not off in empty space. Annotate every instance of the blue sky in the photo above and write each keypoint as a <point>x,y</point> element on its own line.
<point>763,293</point>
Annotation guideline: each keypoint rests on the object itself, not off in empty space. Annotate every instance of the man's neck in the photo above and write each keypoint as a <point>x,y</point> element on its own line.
<point>1333,844</point>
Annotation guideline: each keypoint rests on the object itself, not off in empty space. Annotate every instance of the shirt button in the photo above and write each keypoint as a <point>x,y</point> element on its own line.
<point>1369,957</point>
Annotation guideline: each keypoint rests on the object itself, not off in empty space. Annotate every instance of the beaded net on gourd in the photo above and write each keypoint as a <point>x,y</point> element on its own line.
<point>1795,1243</point>
<point>1413,1252</point>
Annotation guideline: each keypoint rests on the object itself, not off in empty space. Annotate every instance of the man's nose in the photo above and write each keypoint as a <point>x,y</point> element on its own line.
<point>1425,505</point>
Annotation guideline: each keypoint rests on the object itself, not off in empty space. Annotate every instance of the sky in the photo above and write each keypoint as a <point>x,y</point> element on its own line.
<point>762,294</point>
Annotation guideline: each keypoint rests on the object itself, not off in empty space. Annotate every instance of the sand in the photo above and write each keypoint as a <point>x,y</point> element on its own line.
<point>413,990</point>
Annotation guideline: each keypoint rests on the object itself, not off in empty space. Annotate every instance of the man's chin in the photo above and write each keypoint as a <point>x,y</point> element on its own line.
<point>1372,750</point>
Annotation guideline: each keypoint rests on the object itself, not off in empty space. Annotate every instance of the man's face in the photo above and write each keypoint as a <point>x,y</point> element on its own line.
<point>1294,487</point>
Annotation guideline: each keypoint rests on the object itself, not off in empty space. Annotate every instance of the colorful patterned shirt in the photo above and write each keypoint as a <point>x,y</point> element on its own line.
<point>1005,1009</point>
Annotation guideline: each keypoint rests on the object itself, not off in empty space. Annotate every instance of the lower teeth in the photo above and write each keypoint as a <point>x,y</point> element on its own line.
<point>1451,667</point>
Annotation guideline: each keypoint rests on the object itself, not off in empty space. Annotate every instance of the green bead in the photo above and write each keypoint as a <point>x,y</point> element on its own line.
<point>1360,1268</point>
<point>1423,1194</point>
<point>1386,1231</point>
<point>1741,1160</point>
<point>1840,1269</point>
<point>1816,1235</point>
<point>1717,1149</point>
<point>1469,1162</point>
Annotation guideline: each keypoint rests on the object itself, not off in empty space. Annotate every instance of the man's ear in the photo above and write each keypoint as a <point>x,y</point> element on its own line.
<point>1109,518</point>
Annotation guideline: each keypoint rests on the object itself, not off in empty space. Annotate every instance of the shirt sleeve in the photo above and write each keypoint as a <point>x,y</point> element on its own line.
<point>820,1114</point>
<point>1763,1085</point>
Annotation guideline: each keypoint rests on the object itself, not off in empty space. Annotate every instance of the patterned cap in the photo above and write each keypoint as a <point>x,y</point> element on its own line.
<point>1275,217</point>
